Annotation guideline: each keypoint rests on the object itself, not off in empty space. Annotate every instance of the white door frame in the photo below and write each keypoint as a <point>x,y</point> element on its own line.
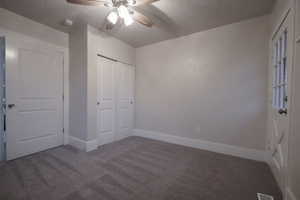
<point>13,36</point>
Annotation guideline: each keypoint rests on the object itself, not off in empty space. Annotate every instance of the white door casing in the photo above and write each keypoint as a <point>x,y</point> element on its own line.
<point>34,93</point>
<point>105,99</point>
<point>125,100</point>
<point>282,71</point>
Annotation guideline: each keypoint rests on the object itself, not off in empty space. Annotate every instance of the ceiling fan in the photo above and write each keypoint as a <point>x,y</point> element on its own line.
<point>122,10</point>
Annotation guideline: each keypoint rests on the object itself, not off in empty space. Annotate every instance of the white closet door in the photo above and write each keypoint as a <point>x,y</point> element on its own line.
<point>34,89</point>
<point>125,102</point>
<point>106,100</point>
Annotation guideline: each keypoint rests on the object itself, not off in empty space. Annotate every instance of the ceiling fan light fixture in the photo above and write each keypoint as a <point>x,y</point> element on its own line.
<point>128,20</point>
<point>113,17</point>
<point>122,10</point>
<point>125,15</point>
<point>131,2</point>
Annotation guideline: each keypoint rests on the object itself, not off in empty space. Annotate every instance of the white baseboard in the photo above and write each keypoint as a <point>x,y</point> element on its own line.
<point>252,154</point>
<point>82,144</point>
<point>106,138</point>
<point>290,194</point>
<point>91,145</point>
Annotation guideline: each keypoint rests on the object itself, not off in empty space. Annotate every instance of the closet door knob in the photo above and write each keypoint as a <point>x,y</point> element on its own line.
<point>10,106</point>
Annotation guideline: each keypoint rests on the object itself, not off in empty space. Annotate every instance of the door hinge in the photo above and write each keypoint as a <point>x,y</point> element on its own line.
<point>63,97</point>
<point>63,130</point>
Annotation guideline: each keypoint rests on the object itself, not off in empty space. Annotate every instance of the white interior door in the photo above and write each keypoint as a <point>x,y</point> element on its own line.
<point>282,69</point>
<point>106,100</point>
<point>34,89</point>
<point>125,102</point>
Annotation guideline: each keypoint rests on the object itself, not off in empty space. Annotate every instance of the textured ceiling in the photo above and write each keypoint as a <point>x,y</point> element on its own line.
<point>172,18</point>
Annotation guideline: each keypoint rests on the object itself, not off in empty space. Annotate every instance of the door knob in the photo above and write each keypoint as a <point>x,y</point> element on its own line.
<point>282,111</point>
<point>10,106</point>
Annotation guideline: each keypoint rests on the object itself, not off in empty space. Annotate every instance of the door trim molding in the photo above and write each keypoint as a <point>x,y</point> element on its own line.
<point>252,154</point>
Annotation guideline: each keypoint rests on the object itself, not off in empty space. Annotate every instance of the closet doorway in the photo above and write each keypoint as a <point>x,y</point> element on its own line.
<point>115,101</point>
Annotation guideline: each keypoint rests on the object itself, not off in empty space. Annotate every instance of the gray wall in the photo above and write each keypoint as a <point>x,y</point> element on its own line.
<point>279,10</point>
<point>22,25</point>
<point>78,81</point>
<point>210,85</point>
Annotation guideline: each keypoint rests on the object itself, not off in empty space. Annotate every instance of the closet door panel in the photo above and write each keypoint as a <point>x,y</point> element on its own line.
<point>115,101</point>
<point>106,100</point>
<point>125,101</point>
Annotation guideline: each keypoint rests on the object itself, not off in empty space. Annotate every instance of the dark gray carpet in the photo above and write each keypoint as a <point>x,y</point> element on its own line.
<point>135,169</point>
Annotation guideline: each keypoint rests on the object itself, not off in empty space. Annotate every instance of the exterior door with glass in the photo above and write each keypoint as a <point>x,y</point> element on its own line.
<point>282,69</point>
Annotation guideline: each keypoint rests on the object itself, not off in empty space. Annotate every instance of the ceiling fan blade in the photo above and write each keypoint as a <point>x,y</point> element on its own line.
<point>142,19</point>
<point>143,2</point>
<point>90,2</point>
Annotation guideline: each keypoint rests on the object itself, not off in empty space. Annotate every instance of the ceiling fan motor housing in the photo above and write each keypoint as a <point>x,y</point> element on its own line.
<point>117,3</point>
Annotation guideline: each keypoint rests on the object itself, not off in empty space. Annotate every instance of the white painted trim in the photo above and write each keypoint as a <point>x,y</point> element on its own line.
<point>77,143</point>
<point>247,153</point>
<point>290,194</point>
<point>91,145</point>
<point>66,94</point>
<point>83,145</point>
<point>106,138</point>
